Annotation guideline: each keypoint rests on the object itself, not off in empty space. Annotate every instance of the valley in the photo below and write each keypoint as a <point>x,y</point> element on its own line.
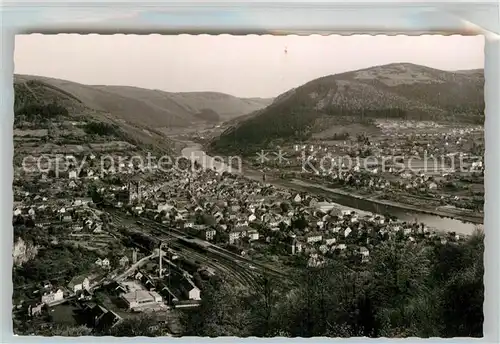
<point>161,209</point>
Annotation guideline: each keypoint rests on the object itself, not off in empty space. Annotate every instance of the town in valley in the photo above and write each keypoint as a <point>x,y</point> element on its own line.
<point>351,205</point>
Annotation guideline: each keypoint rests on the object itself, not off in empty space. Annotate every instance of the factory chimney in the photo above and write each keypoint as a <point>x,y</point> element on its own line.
<point>160,255</point>
<point>134,256</point>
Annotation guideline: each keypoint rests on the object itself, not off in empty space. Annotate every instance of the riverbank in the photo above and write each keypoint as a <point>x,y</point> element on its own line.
<point>438,219</point>
<point>388,203</point>
<point>353,200</point>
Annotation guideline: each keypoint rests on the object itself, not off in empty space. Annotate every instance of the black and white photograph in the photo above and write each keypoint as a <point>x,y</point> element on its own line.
<point>248,186</point>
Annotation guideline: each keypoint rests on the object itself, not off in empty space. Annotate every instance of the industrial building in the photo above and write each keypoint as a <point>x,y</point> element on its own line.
<point>141,298</point>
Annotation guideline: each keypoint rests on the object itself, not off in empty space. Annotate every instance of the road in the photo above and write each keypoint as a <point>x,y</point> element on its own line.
<point>135,266</point>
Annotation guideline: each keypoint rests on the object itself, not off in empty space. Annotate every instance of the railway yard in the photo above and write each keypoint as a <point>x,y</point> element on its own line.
<point>202,253</point>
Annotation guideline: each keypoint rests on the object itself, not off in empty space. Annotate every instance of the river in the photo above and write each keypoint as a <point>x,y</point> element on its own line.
<point>195,153</point>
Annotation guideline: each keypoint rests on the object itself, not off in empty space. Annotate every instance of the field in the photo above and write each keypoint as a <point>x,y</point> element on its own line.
<point>64,314</point>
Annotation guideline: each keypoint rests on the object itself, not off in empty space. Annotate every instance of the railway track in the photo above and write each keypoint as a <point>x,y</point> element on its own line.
<point>241,276</point>
<point>245,263</point>
<point>219,263</point>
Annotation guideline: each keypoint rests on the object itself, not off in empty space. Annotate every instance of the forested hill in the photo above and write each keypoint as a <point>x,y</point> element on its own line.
<point>153,108</point>
<point>399,91</point>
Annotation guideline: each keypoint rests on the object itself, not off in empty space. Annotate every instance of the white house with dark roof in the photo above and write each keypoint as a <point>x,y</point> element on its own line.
<point>237,233</point>
<point>53,297</point>
<point>365,254</point>
<point>190,290</point>
<point>296,246</point>
<point>78,283</point>
<point>297,198</point>
<point>209,234</point>
<point>313,237</point>
<point>253,234</point>
<point>347,232</point>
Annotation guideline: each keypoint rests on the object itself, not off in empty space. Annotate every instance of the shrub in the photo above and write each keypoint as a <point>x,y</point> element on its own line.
<point>40,113</point>
<point>101,128</point>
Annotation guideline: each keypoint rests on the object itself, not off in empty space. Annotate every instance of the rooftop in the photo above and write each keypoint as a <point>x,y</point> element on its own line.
<point>77,280</point>
<point>139,296</point>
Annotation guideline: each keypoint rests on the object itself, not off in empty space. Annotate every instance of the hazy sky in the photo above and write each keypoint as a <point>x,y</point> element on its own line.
<point>246,66</point>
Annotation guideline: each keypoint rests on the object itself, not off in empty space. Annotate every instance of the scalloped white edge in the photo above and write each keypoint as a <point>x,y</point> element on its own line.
<point>450,17</point>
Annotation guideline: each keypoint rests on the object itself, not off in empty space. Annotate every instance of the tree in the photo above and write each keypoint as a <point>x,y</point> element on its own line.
<point>206,219</point>
<point>263,308</point>
<point>30,222</point>
<point>285,207</point>
<point>400,291</point>
<point>463,294</point>
<point>405,290</point>
<point>64,331</point>
<point>144,326</point>
<point>95,195</point>
<point>331,300</point>
<point>18,220</point>
<point>299,223</point>
<point>224,311</point>
<point>221,237</point>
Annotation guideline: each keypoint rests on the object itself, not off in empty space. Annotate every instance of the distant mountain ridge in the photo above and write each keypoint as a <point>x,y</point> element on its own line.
<point>398,90</point>
<point>155,108</point>
<point>69,121</point>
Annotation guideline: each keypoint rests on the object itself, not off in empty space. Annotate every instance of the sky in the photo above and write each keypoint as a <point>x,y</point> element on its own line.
<point>244,66</point>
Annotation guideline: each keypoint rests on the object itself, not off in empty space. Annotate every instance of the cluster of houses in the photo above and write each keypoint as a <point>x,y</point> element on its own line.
<point>143,291</point>
<point>407,180</point>
<point>52,295</point>
<point>232,210</point>
<point>349,156</point>
<point>76,213</point>
<point>421,164</point>
<point>219,207</point>
<point>90,314</point>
